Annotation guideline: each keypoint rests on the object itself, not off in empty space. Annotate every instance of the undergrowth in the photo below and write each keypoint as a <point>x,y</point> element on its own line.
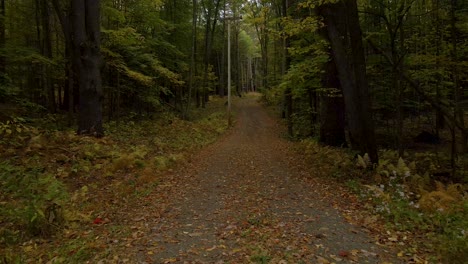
<point>406,196</point>
<point>54,183</point>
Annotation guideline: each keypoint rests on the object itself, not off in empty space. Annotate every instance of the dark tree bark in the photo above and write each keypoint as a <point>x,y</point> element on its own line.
<point>2,40</point>
<point>332,127</point>
<point>458,89</point>
<point>86,58</point>
<point>70,95</point>
<point>286,61</point>
<point>210,27</point>
<point>440,121</point>
<point>351,72</point>
<point>46,49</point>
<point>192,71</point>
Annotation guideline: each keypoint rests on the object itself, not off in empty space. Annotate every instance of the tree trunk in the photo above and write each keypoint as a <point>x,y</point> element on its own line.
<point>192,57</point>
<point>237,57</point>
<point>47,52</point>
<point>87,60</point>
<point>70,97</point>
<point>2,41</point>
<point>286,61</point>
<point>352,73</point>
<point>440,120</point>
<point>458,91</point>
<point>332,127</point>
<point>210,28</point>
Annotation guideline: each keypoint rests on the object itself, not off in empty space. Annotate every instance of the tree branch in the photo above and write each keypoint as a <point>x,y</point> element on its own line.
<point>417,87</point>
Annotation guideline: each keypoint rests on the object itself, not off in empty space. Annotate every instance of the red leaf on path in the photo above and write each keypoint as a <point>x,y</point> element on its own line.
<point>97,221</point>
<point>344,254</point>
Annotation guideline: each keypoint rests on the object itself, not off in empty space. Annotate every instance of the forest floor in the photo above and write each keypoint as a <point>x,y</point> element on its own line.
<point>165,190</point>
<point>244,199</point>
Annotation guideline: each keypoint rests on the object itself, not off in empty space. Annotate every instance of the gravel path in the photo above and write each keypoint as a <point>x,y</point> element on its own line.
<point>242,200</point>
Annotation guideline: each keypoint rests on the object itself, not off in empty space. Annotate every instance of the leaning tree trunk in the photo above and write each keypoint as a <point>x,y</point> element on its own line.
<point>86,58</point>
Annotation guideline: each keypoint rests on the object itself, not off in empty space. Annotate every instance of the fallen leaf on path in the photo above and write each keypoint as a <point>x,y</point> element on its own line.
<point>212,248</point>
<point>322,260</point>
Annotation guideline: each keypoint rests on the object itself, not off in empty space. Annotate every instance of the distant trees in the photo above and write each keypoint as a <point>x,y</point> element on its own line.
<point>339,70</point>
<point>97,59</point>
<point>364,66</point>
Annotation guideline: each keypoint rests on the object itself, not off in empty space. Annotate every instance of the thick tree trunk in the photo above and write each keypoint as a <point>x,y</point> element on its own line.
<point>87,60</point>
<point>352,73</point>
<point>332,127</point>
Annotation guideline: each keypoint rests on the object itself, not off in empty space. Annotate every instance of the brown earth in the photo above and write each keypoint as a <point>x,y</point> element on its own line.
<point>244,199</point>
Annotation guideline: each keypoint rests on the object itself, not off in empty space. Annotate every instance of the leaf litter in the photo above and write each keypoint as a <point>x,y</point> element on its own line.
<point>248,198</point>
<point>245,199</point>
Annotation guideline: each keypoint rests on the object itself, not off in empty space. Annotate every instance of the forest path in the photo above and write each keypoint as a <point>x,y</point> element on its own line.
<point>243,200</point>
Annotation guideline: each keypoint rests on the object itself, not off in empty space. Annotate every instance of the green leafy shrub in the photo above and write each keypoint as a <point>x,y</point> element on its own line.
<point>33,202</point>
<point>412,202</point>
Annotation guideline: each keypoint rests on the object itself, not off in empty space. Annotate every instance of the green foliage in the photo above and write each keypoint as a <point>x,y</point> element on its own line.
<point>57,181</point>
<point>328,161</point>
<point>410,202</point>
<point>131,54</point>
<point>32,202</point>
<point>8,92</point>
<point>261,259</point>
<point>407,201</point>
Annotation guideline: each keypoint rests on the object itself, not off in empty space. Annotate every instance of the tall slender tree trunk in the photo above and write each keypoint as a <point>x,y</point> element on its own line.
<point>286,61</point>
<point>458,90</point>
<point>2,41</point>
<point>87,60</point>
<point>70,96</point>
<point>237,63</point>
<point>210,28</point>
<point>192,56</point>
<point>47,52</point>
<point>440,120</point>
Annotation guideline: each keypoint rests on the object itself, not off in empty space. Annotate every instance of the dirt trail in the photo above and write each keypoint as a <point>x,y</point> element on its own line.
<point>241,201</point>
